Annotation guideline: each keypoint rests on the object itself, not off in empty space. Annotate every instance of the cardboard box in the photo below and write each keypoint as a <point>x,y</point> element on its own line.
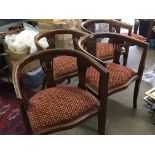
<point>64,41</point>
<point>44,24</point>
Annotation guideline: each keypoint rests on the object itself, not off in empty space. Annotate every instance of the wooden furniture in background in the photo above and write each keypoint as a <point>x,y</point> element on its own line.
<point>64,67</point>
<point>105,50</point>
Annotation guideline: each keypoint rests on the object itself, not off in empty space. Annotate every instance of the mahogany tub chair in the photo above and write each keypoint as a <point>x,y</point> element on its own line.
<point>64,66</point>
<point>105,49</point>
<point>120,77</point>
<point>57,108</point>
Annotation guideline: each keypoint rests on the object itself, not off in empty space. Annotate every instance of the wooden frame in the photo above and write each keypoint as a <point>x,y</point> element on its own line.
<point>84,45</point>
<point>45,58</point>
<point>114,26</point>
<point>50,35</point>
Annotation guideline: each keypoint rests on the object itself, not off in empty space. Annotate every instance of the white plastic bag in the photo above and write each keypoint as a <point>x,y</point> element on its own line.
<point>149,75</point>
<point>15,44</point>
<point>34,31</point>
<point>43,42</point>
<point>9,40</point>
<point>21,41</point>
<point>27,36</point>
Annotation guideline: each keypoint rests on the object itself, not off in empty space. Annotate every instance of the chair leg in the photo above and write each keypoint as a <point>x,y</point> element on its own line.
<point>125,58</point>
<point>136,90</point>
<point>101,122</point>
<point>44,83</point>
<point>25,119</point>
<point>69,80</point>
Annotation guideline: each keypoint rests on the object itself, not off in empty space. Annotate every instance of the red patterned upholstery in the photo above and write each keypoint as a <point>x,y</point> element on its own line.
<point>136,36</point>
<point>64,65</point>
<point>118,75</point>
<point>59,105</point>
<point>104,50</point>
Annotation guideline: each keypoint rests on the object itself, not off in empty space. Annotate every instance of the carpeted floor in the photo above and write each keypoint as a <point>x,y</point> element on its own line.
<point>10,117</point>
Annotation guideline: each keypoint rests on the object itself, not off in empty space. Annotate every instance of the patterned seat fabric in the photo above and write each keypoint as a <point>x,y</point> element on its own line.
<point>64,65</point>
<point>104,50</point>
<point>136,36</point>
<point>59,105</point>
<point>118,75</point>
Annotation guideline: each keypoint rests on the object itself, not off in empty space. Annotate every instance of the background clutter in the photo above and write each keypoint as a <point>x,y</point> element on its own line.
<point>149,75</point>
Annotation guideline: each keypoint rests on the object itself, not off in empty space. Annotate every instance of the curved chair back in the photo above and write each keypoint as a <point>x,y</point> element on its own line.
<point>79,108</point>
<point>51,37</point>
<point>104,51</point>
<point>120,77</point>
<point>88,44</point>
<point>105,25</point>
<point>64,66</point>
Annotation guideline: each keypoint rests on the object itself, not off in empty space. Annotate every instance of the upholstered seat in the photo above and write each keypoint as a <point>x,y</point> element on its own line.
<point>136,36</point>
<point>118,76</point>
<point>59,105</point>
<point>57,108</point>
<point>64,65</point>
